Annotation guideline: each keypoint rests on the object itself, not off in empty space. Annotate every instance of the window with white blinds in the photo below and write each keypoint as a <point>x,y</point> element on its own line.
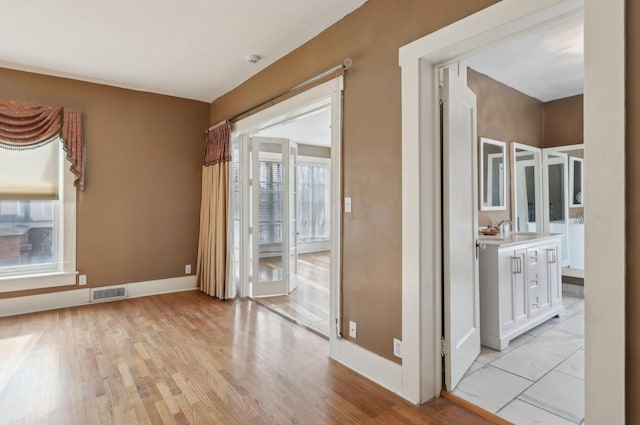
<point>30,173</point>
<point>313,202</point>
<point>30,190</point>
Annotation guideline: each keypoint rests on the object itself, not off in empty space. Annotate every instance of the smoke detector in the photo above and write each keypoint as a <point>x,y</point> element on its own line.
<point>252,58</point>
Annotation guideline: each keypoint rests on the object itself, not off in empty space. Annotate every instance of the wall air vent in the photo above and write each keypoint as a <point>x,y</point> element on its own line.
<point>108,293</point>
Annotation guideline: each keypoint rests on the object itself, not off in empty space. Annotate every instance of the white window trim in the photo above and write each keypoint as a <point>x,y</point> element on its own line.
<point>64,274</point>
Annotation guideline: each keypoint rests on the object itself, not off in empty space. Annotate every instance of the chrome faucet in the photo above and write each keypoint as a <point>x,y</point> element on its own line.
<point>505,226</point>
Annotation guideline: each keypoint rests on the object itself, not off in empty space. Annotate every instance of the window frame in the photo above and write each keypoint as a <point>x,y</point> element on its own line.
<point>63,270</point>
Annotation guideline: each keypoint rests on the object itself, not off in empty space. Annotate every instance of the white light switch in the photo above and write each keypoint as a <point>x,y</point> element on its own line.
<point>347,204</point>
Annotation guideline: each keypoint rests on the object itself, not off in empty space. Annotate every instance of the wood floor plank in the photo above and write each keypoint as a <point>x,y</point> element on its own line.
<point>308,304</point>
<point>186,358</point>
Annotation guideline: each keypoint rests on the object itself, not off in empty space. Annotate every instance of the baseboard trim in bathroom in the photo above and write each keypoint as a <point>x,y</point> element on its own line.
<point>573,289</point>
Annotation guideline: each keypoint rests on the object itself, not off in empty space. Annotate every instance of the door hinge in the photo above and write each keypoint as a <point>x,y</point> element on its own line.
<point>441,93</point>
<point>442,346</point>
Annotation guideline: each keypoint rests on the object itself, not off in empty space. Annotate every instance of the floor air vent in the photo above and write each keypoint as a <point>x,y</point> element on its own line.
<point>108,293</point>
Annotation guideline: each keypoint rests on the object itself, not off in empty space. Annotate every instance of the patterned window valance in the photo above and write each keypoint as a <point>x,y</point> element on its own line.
<point>217,144</point>
<point>27,126</point>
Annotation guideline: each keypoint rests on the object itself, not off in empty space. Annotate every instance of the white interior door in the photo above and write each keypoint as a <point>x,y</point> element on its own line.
<point>460,226</point>
<point>270,211</point>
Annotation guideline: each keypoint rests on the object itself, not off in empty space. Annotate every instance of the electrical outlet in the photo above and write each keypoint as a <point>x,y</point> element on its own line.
<point>347,204</point>
<point>82,279</point>
<point>397,347</point>
<point>352,329</point>
<point>187,269</point>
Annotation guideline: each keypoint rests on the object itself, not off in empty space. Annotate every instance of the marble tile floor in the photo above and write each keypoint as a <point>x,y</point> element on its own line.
<point>539,377</point>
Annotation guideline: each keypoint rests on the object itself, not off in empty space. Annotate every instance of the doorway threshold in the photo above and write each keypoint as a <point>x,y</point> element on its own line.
<point>261,302</point>
<point>485,414</point>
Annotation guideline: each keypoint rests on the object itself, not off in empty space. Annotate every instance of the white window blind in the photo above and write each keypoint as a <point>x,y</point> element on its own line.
<point>29,209</point>
<point>270,203</point>
<point>30,174</point>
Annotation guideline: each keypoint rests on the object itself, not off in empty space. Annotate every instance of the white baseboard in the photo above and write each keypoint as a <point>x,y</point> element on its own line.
<point>309,247</point>
<point>162,286</point>
<point>78,297</point>
<point>43,302</point>
<point>378,369</point>
<point>573,289</point>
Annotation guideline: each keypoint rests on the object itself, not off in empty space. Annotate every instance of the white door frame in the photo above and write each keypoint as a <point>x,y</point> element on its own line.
<point>274,115</point>
<point>604,112</point>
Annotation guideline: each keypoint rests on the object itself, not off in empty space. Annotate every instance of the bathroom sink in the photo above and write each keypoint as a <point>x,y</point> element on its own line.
<point>513,237</point>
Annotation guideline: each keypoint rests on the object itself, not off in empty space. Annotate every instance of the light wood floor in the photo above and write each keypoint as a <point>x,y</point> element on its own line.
<point>308,304</point>
<point>186,358</point>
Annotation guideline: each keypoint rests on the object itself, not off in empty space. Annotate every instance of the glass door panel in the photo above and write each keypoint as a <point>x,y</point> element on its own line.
<point>268,223</point>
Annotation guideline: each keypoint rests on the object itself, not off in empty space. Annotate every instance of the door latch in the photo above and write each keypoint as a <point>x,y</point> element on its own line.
<point>479,245</point>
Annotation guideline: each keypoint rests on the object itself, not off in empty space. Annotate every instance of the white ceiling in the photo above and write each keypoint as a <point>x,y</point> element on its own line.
<point>310,128</point>
<point>190,48</point>
<point>547,64</point>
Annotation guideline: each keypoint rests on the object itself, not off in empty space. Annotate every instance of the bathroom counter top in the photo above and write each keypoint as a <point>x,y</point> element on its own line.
<point>515,238</point>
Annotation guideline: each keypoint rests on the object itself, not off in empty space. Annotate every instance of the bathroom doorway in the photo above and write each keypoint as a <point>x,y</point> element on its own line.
<point>528,363</point>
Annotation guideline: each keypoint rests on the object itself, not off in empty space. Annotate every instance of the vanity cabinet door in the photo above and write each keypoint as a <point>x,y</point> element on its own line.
<point>553,273</point>
<point>513,294</point>
<point>537,284</point>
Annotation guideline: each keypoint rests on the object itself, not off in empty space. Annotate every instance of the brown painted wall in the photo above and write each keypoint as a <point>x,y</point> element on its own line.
<point>371,36</point>
<point>506,115</point>
<point>633,211</point>
<point>138,218</point>
<point>563,122</point>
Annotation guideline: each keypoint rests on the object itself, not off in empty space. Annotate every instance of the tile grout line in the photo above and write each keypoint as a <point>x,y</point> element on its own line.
<point>534,337</point>
<point>544,410</point>
<point>535,382</point>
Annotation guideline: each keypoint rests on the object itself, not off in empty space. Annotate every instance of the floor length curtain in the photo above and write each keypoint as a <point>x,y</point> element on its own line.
<point>213,265</point>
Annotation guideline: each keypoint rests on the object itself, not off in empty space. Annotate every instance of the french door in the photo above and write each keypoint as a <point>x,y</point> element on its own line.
<point>273,225</point>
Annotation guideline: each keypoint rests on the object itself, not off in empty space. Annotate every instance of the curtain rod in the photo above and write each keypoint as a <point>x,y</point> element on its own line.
<point>346,64</point>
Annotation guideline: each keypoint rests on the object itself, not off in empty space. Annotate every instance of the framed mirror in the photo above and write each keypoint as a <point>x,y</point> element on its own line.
<point>556,202</point>
<point>576,171</point>
<point>493,158</point>
<point>526,181</point>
